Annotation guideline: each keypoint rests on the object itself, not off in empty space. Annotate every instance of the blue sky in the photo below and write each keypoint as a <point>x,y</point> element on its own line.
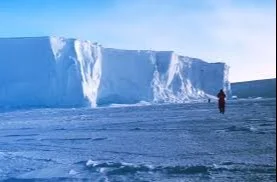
<point>241,33</point>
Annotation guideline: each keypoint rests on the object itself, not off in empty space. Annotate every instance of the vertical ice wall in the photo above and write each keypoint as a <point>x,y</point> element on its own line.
<point>171,81</point>
<point>85,58</point>
<point>89,57</point>
<point>209,77</point>
<point>59,72</point>
<point>126,77</point>
<point>66,78</point>
<point>39,72</point>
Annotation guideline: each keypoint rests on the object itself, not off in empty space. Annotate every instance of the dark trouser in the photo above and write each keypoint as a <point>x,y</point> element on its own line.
<point>221,106</point>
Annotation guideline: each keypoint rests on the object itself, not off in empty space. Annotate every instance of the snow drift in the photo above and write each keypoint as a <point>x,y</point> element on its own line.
<point>59,72</point>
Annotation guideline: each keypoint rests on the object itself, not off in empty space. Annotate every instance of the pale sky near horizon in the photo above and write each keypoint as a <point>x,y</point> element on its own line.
<point>241,33</point>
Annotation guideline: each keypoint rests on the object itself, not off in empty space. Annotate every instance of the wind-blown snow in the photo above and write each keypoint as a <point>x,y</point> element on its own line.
<point>59,72</point>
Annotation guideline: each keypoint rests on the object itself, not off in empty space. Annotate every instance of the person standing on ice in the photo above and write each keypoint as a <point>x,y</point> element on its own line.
<point>221,101</point>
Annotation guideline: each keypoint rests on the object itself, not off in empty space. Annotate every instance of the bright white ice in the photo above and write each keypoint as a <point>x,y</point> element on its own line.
<point>59,72</point>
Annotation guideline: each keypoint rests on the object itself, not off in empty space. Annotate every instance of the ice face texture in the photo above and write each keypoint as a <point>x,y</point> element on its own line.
<point>60,72</point>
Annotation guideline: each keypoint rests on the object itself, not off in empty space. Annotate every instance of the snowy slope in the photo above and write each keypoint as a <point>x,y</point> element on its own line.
<point>59,72</point>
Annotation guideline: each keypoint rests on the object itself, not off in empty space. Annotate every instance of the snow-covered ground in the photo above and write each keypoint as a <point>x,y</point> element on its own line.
<point>60,72</point>
<point>163,143</point>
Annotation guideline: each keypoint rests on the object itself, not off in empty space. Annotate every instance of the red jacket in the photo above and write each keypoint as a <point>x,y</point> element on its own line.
<point>221,96</point>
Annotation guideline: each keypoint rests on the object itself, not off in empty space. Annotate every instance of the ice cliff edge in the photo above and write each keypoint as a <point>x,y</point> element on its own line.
<point>60,72</point>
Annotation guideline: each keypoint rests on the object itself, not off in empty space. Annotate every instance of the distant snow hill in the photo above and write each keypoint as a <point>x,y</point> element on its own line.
<point>60,72</point>
<point>258,88</point>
